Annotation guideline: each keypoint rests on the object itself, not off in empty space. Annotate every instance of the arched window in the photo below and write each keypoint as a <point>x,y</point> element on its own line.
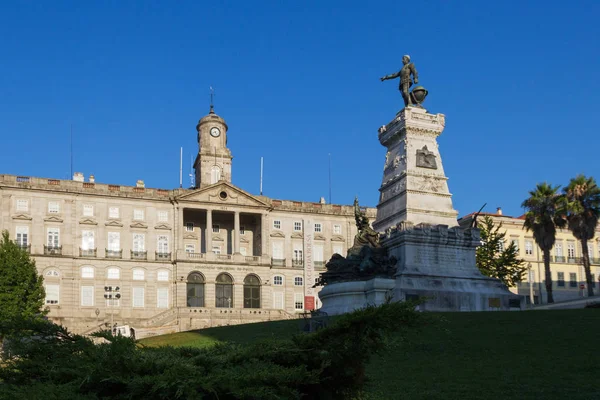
<point>195,290</point>
<point>224,291</point>
<point>162,275</point>
<point>138,274</point>
<point>51,273</point>
<point>278,280</point>
<point>113,273</point>
<point>251,292</point>
<point>215,174</point>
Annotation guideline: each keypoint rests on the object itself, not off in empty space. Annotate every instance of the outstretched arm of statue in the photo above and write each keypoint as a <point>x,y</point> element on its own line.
<point>390,76</point>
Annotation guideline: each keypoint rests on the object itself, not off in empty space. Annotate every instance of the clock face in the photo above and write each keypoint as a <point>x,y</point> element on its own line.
<point>215,132</point>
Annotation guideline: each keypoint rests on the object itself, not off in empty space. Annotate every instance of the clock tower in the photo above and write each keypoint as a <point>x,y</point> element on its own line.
<point>213,163</point>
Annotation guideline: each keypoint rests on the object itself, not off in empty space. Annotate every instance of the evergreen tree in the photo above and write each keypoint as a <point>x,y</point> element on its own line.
<point>495,259</point>
<point>21,290</point>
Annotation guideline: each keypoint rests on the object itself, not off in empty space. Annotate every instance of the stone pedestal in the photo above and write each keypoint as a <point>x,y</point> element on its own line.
<point>343,297</point>
<point>414,186</point>
<point>437,264</point>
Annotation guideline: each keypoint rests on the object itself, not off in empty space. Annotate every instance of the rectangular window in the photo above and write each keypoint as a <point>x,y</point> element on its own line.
<point>216,249</point>
<point>113,273</point>
<point>138,214</point>
<point>87,296</point>
<point>190,248</point>
<point>162,297</point>
<point>162,276</point>
<point>278,300</point>
<point>571,250</point>
<point>22,205</point>
<point>113,212</point>
<point>278,250</point>
<point>338,249</point>
<point>88,210</point>
<point>88,240</point>
<point>189,227</point>
<point>561,279</point>
<point>163,244</point>
<point>277,224</point>
<point>298,255</point>
<point>53,207</point>
<point>572,279</point>
<point>114,241</point>
<point>52,292</point>
<point>318,252</point>
<point>558,249</point>
<point>318,227</point>
<point>297,226</point>
<point>298,281</point>
<point>162,216</point>
<point>53,237</point>
<point>515,242</point>
<point>299,301</point>
<point>278,280</point>
<point>22,236</point>
<point>216,228</point>
<point>337,229</point>
<point>138,296</point>
<point>139,242</point>
<point>242,230</point>
<point>528,247</point>
<point>113,302</point>
<point>531,275</point>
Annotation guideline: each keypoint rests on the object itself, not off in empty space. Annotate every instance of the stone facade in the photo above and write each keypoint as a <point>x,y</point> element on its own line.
<point>567,269</point>
<point>182,258</point>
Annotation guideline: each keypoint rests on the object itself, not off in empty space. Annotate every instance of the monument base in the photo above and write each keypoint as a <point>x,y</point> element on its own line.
<point>344,297</point>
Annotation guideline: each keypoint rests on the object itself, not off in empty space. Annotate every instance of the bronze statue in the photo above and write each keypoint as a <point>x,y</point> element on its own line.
<point>366,259</point>
<point>405,81</point>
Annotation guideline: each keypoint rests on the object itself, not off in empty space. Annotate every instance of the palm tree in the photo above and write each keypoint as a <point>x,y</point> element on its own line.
<point>581,207</point>
<point>542,218</point>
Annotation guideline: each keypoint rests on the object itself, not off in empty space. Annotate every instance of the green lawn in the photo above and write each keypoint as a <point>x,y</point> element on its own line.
<point>494,355</point>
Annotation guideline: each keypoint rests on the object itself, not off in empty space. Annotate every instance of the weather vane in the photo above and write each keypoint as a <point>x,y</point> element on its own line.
<point>212,93</point>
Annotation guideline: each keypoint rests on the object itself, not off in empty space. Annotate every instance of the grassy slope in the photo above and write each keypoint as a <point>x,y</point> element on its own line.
<point>496,355</point>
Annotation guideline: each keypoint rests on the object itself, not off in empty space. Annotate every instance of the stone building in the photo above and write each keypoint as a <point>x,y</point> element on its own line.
<point>169,260</point>
<point>568,275</point>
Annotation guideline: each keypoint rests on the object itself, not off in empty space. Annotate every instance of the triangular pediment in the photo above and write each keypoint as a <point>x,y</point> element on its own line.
<point>244,240</point>
<point>277,234</point>
<point>163,226</point>
<point>337,238</point>
<point>88,221</point>
<point>22,216</point>
<point>190,235</point>
<point>53,218</point>
<point>223,193</point>
<point>139,225</point>
<point>319,237</point>
<point>113,223</point>
<point>218,238</point>
<point>297,235</point>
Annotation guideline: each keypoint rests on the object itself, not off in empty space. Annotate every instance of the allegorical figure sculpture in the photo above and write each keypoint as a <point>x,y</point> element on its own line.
<point>366,258</point>
<point>408,69</point>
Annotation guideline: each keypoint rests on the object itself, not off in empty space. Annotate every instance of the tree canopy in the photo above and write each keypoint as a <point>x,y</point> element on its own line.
<point>496,259</point>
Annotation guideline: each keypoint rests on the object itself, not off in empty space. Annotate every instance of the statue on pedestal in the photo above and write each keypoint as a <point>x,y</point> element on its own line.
<point>417,96</point>
<point>366,259</point>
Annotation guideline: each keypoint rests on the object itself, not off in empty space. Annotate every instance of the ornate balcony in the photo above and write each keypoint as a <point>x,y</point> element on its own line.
<point>113,253</point>
<point>87,252</point>
<point>319,264</point>
<point>278,262</point>
<point>162,256</point>
<point>25,247</point>
<point>139,255</point>
<point>52,250</point>
<point>559,259</point>
<point>595,260</point>
<point>574,260</point>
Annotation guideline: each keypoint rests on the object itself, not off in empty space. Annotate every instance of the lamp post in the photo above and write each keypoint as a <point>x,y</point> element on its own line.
<point>109,296</point>
<point>530,284</point>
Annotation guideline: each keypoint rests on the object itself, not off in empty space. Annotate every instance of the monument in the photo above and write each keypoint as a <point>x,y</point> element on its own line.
<point>416,248</point>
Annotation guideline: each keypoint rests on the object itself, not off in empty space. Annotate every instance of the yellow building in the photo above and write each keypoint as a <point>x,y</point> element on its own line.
<point>568,276</point>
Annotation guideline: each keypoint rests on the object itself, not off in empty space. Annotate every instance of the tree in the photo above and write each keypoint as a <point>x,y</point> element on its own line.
<point>581,208</point>
<point>21,290</point>
<point>496,260</point>
<point>542,217</point>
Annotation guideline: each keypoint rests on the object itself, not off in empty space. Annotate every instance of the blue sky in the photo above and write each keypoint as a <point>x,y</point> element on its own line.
<point>296,81</point>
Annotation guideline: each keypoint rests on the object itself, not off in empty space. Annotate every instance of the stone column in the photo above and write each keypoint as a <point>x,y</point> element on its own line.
<point>236,228</point>
<point>179,228</point>
<point>208,235</point>
<point>263,234</point>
